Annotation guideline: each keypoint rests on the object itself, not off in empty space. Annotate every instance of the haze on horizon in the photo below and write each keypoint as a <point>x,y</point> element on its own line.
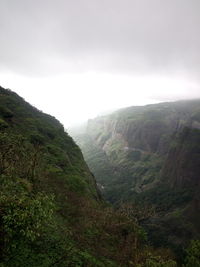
<point>76,59</point>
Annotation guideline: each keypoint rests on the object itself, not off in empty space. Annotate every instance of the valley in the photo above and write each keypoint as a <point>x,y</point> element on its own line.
<point>52,213</point>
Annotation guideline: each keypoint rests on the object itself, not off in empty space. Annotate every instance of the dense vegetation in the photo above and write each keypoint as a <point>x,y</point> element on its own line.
<point>150,157</point>
<point>51,213</point>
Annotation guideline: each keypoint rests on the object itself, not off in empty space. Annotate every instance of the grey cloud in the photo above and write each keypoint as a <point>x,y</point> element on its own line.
<point>46,36</point>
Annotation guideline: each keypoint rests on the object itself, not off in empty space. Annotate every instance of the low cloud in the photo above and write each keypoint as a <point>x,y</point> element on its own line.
<point>140,36</point>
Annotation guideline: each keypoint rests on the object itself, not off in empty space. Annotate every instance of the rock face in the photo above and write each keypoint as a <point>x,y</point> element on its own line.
<point>182,165</point>
<point>146,128</point>
<point>152,154</point>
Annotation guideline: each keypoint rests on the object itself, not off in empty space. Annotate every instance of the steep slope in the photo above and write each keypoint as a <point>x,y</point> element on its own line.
<point>51,213</point>
<point>42,167</point>
<point>152,156</point>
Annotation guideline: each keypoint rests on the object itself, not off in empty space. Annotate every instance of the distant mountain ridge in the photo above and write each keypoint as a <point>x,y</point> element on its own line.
<point>150,154</point>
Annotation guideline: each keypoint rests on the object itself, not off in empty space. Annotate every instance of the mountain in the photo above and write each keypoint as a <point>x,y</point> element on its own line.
<point>150,156</point>
<point>51,212</point>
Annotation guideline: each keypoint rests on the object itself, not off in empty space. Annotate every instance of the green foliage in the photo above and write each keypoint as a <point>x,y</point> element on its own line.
<point>24,213</point>
<point>23,217</point>
<point>37,139</point>
<point>3,124</point>
<point>5,112</point>
<point>157,261</point>
<point>76,184</point>
<point>193,254</point>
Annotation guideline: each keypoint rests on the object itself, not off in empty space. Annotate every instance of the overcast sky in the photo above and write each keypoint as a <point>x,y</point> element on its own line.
<point>77,58</point>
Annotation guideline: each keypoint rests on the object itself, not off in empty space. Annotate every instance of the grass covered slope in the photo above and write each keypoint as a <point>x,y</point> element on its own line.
<point>51,213</point>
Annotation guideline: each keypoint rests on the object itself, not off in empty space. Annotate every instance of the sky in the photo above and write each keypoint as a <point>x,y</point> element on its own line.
<point>77,59</point>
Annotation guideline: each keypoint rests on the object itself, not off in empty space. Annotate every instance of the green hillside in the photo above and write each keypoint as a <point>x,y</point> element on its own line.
<point>51,213</point>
